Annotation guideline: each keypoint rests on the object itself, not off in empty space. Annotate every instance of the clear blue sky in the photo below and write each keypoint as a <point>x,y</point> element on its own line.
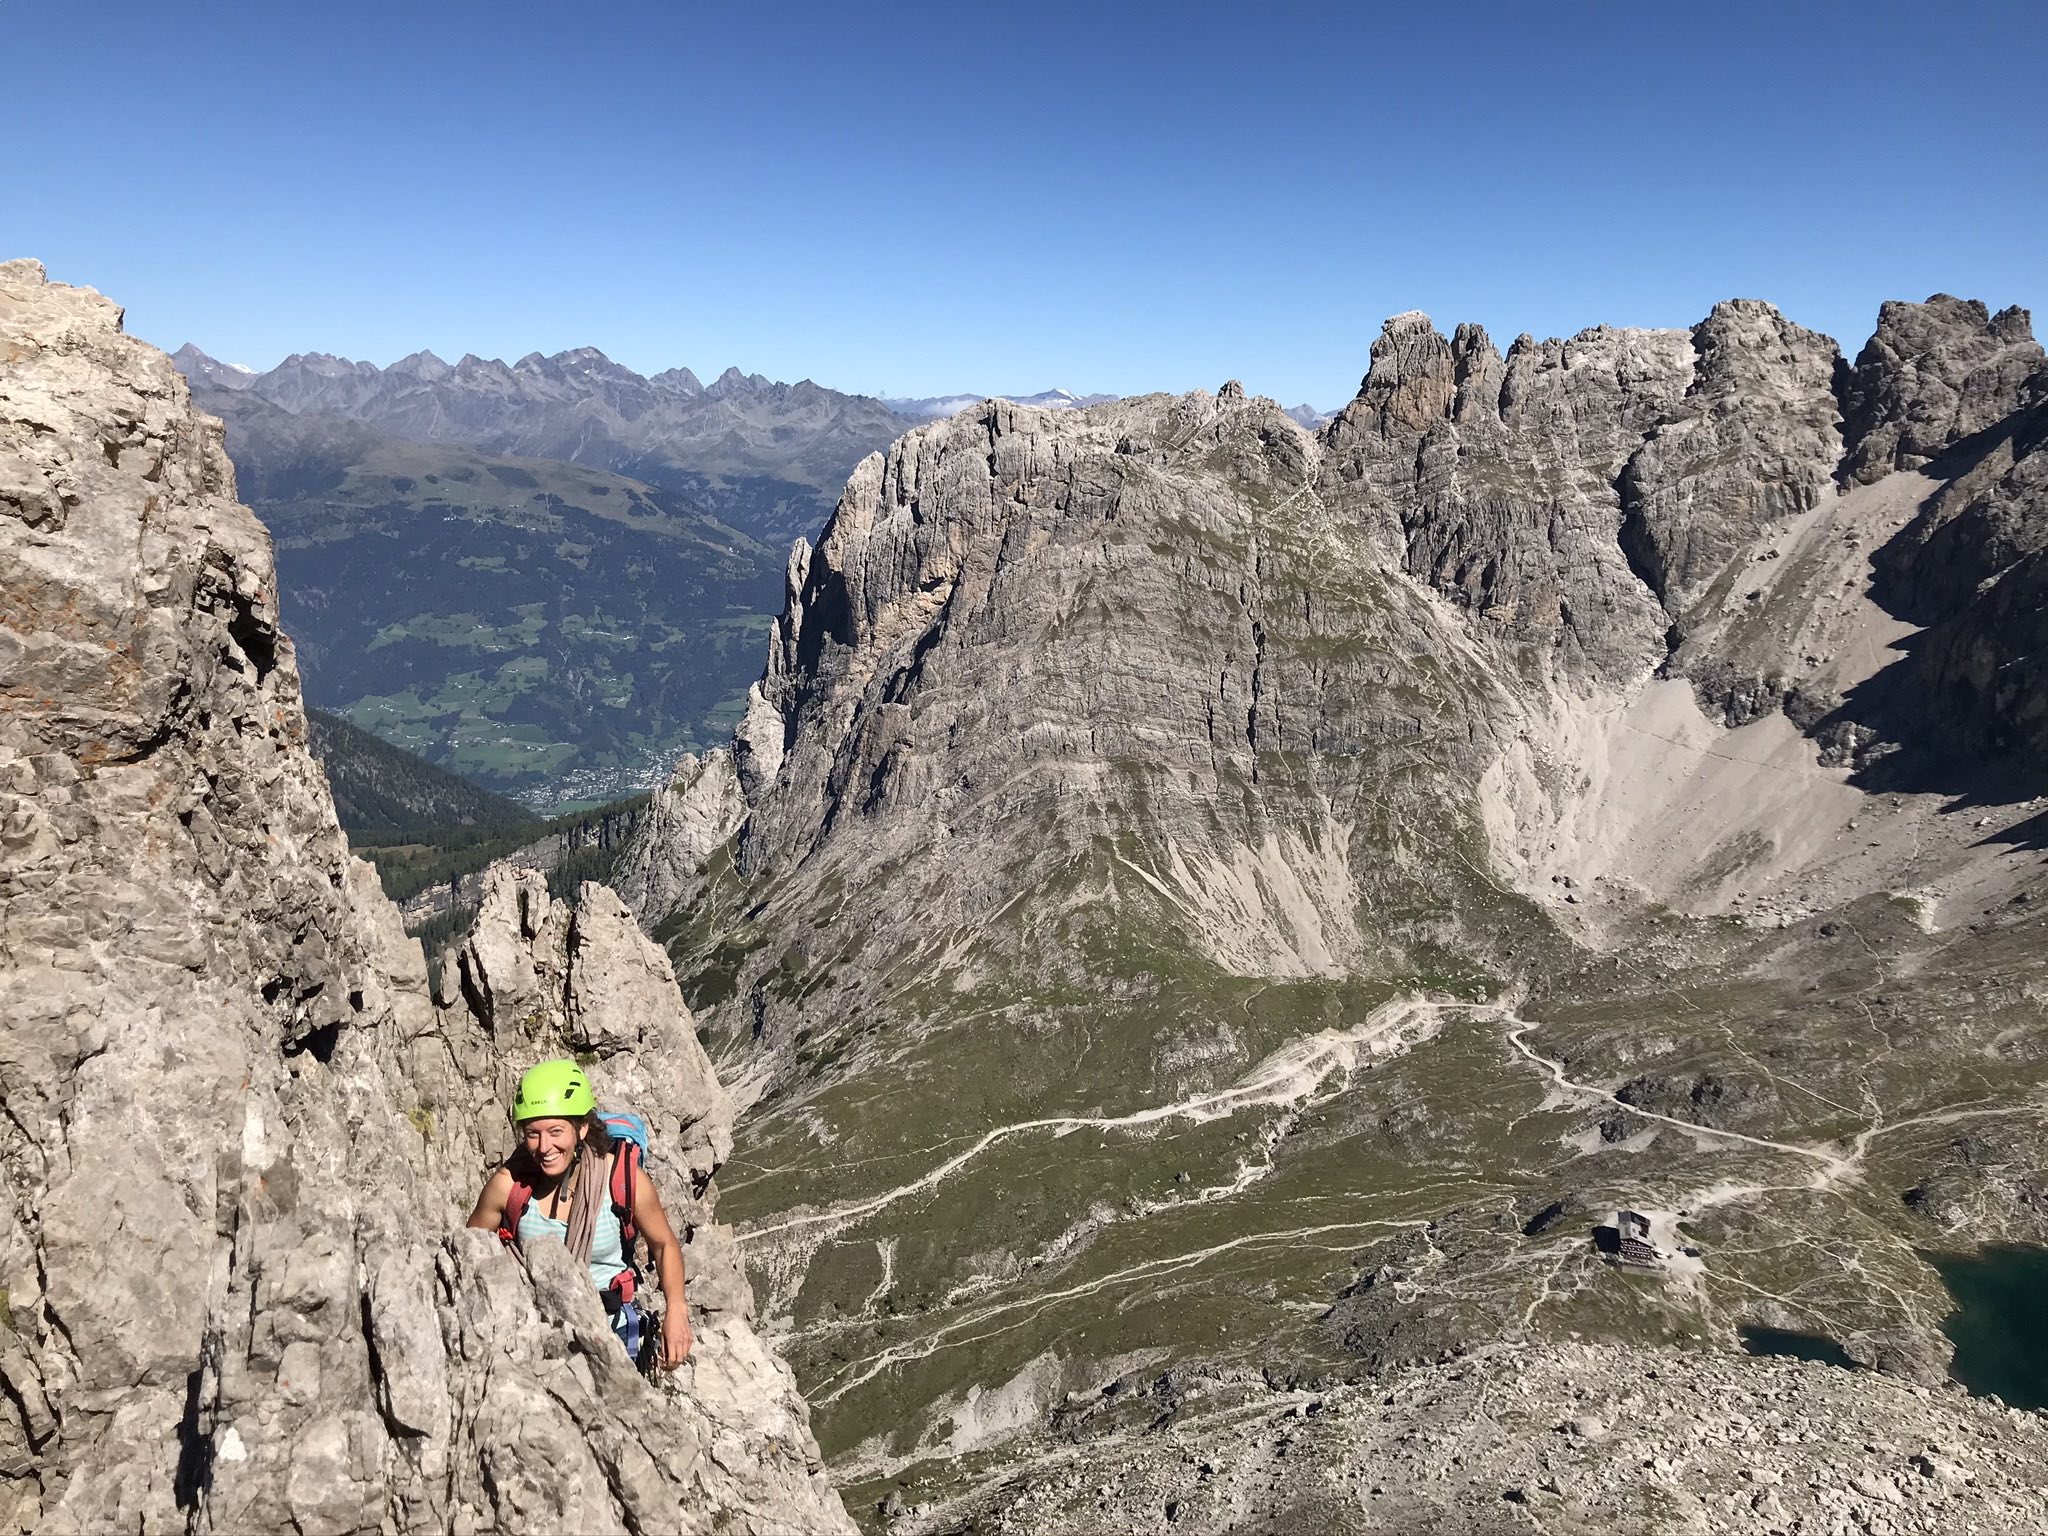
<point>925,198</point>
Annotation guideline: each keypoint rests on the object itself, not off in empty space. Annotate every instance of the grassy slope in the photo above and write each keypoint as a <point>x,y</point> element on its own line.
<point>1089,1253</point>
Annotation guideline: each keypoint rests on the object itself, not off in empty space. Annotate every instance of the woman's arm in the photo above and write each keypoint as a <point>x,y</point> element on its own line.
<point>667,1254</point>
<point>490,1205</point>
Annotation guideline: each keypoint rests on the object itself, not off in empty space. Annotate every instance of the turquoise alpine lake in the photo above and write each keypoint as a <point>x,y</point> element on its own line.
<point>1999,1327</point>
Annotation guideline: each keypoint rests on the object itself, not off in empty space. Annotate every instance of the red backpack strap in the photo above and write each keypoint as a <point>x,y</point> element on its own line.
<point>625,1176</point>
<point>515,1207</point>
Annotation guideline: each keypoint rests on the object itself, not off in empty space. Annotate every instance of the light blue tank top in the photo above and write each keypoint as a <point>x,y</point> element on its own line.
<point>607,1252</point>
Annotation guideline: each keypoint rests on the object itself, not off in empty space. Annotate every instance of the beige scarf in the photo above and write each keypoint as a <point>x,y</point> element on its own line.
<point>588,1195</point>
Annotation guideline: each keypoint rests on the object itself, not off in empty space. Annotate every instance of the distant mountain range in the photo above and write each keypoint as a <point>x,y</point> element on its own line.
<point>766,457</point>
<point>556,631</point>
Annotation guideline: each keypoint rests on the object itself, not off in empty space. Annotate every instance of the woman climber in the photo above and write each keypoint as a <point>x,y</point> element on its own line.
<point>576,1176</point>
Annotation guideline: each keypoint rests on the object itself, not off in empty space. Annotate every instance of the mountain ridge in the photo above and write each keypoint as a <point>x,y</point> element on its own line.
<point>1526,795</point>
<point>579,405</point>
<point>932,407</point>
<point>382,789</point>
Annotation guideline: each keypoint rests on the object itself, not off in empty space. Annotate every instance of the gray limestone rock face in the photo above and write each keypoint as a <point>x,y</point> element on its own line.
<point>1599,510</point>
<point>1754,442</point>
<point>1166,550</point>
<point>687,819</point>
<point>1579,495</point>
<point>240,1138</point>
<point>1989,664</point>
<point>1494,479</point>
<point>1971,566</point>
<point>1976,526</point>
<point>1932,375</point>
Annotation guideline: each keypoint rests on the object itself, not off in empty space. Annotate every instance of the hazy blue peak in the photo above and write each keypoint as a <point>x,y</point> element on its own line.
<point>681,380</point>
<point>589,360</point>
<point>421,365</point>
<point>472,367</point>
<point>323,363</point>
<point>733,382</point>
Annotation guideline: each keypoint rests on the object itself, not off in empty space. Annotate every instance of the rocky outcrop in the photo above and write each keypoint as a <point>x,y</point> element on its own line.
<point>1978,525</point>
<point>239,1134</point>
<point>1753,443</point>
<point>919,697</point>
<point>1932,375</point>
<point>1578,494</point>
<point>1493,479</point>
<point>539,974</point>
<point>1569,1438</point>
<point>691,816</point>
<point>1969,568</point>
<point>1988,665</point>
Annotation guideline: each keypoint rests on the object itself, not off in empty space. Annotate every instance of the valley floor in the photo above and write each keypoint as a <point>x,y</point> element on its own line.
<point>1426,1179</point>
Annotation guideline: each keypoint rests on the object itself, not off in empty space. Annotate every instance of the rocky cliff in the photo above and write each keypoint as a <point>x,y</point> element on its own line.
<point>1933,375</point>
<point>1601,514</point>
<point>240,1132</point>
<point>1192,890</point>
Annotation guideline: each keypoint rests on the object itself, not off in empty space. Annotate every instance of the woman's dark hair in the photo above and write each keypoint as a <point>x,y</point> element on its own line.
<point>599,1140</point>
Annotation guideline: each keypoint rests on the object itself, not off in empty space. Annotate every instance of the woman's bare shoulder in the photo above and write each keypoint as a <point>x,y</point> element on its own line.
<point>496,1195</point>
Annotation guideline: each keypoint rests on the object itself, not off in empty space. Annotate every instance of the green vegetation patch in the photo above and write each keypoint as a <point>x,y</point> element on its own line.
<point>555,632</point>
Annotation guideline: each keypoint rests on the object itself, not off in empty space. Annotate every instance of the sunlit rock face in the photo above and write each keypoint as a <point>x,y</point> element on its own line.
<point>239,1132</point>
<point>1933,375</point>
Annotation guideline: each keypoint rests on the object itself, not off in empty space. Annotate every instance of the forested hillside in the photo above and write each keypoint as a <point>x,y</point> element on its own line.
<point>380,790</point>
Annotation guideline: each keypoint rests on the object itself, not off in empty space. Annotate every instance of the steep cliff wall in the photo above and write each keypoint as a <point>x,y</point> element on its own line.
<point>1484,564</point>
<point>239,1133</point>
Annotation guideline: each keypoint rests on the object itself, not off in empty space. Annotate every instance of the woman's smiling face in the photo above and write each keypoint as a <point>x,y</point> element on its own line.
<point>552,1142</point>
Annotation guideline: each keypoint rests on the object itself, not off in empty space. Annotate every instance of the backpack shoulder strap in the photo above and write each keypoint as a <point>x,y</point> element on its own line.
<point>625,1181</point>
<point>515,1207</point>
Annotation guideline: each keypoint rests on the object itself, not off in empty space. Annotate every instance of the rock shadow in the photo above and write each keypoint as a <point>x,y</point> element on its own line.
<point>1906,730</point>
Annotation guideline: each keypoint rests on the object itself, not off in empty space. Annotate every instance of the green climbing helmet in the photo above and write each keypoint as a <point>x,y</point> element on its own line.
<point>553,1089</point>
